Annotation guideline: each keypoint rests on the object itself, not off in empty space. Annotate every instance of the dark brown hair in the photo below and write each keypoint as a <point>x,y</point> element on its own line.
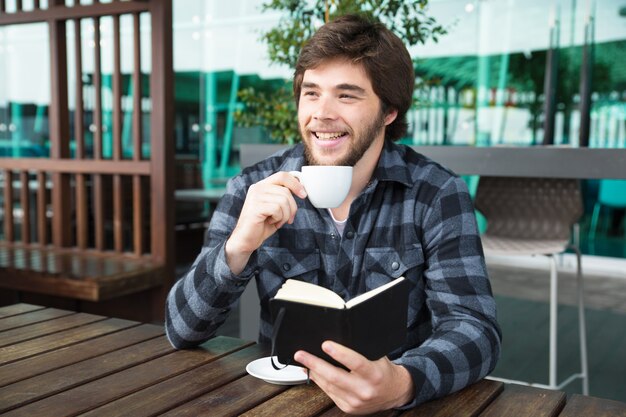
<point>382,54</point>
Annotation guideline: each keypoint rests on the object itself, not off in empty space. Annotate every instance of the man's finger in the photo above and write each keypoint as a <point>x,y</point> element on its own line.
<point>329,378</point>
<point>352,360</point>
<point>288,181</point>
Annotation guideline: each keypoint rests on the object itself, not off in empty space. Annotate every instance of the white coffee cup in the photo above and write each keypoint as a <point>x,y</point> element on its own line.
<point>326,185</point>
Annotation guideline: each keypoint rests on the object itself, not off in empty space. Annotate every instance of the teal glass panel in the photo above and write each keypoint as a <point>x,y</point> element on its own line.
<point>106,91</point>
<point>217,53</point>
<point>24,92</point>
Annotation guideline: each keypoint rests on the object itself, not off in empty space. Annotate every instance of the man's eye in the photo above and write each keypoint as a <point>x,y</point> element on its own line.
<point>309,93</point>
<point>346,96</point>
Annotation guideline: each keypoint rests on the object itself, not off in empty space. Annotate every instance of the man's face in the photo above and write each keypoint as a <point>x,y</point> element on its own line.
<point>339,114</point>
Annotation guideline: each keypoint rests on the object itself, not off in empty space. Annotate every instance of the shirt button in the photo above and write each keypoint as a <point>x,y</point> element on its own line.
<point>395,266</point>
<point>286,267</point>
<point>332,236</point>
<point>349,235</point>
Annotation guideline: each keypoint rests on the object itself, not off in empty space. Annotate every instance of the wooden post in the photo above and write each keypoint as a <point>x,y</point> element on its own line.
<point>59,129</point>
<point>162,183</point>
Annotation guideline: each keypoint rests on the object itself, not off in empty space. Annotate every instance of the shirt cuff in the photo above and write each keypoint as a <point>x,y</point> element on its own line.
<point>223,270</point>
<point>421,384</point>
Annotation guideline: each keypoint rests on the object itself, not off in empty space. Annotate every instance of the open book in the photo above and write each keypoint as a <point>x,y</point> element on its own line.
<point>305,315</point>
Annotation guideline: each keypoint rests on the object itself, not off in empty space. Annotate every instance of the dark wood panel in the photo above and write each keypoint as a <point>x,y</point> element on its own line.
<point>579,405</point>
<point>25,203</point>
<point>118,213</point>
<point>76,166</point>
<point>162,148</point>
<point>137,91</point>
<point>47,384</point>
<point>109,342</point>
<point>21,334</point>
<point>16,309</point>
<point>117,90</point>
<point>85,275</point>
<point>97,393</point>
<point>175,391</point>
<point>66,13</point>
<point>82,219</point>
<point>138,210</point>
<point>59,130</point>
<point>9,227</point>
<point>60,338</point>
<point>468,402</point>
<point>521,401</point>
<point>31,318</point>
<point>229,400</point>
<point>79,125</point>
<point>299,401</point>
<point>42,201</point>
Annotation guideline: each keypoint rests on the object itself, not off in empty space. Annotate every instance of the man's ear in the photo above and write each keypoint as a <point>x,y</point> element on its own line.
<point>391,116</point>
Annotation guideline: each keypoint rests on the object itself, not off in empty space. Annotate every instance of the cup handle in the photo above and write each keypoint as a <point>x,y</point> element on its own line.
<point>297,174</point>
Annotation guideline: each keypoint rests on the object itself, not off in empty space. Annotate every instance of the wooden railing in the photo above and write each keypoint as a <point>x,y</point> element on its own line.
<point>79,201</point>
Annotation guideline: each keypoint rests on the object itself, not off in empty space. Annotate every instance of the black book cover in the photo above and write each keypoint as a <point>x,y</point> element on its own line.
<point>374,327</point>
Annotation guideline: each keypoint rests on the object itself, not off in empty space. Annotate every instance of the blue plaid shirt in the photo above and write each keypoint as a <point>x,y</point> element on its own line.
<point>414,219</point>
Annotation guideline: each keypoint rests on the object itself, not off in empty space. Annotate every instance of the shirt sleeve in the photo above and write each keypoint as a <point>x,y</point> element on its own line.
<point>201,300</point>
<point>465,344</point>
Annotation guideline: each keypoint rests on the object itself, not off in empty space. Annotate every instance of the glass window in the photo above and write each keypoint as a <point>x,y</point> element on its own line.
<point>24,90</point>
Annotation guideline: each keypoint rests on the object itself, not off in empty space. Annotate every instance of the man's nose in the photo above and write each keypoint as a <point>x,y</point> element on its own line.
<point>325,109</point>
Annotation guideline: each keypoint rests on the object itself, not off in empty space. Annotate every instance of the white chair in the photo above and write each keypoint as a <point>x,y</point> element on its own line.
<point>535,216</point>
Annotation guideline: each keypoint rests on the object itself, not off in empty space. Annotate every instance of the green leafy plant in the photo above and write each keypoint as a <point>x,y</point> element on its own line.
<point>275,110</point>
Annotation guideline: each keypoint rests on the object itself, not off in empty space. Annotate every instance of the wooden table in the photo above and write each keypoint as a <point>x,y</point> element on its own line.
<point>61,363</point>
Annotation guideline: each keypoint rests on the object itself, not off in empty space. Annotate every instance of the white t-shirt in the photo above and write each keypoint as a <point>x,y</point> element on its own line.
<point>340,225</point>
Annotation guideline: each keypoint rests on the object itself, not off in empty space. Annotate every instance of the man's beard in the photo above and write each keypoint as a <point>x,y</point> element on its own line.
<point>359,144</point>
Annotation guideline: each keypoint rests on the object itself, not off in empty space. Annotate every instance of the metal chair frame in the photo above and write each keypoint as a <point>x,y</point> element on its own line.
<point>547,223</point>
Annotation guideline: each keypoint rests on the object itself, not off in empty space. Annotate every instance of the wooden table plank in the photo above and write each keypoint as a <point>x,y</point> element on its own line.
<point>36,330</point>
<point>299,401</point>
<point>62,379</point>
<point>61,339</point>
<point>465,403</point>
<point>15,309</point>
<point>468,402</point>
<point>520,401</point>
<point>580,405</point>
<point>229,400</point>
<point>97,393</point>
<point>90,348</point>
<point>32,317</point>
<point>173,392</point>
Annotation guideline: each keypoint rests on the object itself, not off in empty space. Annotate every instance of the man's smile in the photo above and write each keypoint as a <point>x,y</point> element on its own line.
<point>328,135</point>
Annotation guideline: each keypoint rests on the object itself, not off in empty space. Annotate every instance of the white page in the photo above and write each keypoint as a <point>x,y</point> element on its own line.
<point>360,298</point>
<point>305,292</point>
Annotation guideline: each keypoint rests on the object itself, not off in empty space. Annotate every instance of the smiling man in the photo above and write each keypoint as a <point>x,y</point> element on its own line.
<point>405,215</point>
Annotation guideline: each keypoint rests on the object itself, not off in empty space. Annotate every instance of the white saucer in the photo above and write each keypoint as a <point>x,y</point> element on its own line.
<point>263,369</point>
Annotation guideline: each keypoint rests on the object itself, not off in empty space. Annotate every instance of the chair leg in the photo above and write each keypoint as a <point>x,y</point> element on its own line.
<point>553,322</point>
<point>576,235</point>
<point>582,327</point>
